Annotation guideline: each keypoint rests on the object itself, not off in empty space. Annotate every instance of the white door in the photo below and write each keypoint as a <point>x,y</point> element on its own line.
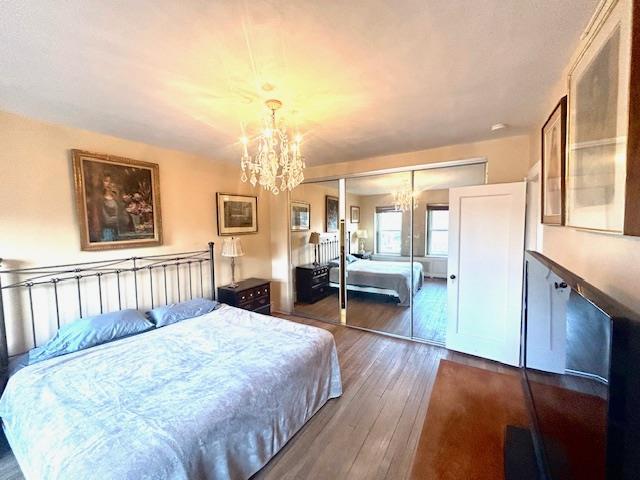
<point>486,249</point>
<point>546,319</point>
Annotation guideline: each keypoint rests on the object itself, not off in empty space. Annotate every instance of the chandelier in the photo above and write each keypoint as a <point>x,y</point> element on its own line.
<point>403,199</point>
<point>278,163</point>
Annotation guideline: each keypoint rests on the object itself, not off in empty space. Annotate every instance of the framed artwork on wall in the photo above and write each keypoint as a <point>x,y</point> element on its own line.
<point>600,124</point>
<point>300,216</point>
<point>554,134</point>
<point>117,200</point>
<point>237,214</point>
<point>355,214</point>
<point>332,216</point>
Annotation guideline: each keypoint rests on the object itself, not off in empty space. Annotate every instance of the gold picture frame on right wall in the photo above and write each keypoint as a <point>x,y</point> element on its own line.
<point>604,127</point>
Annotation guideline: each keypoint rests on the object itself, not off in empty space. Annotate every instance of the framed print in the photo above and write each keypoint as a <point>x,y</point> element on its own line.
<point>355,214</point>
<point>300,216</point>
<point>117,200</point>
<point>598,125</point>
<point>237,214</point>
<point>554,144</point>
<point>331,214</point>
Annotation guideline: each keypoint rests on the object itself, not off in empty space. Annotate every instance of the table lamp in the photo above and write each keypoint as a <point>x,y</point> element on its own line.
<point>314,240</point>
<point>362,236</point>
<point>232,248</point>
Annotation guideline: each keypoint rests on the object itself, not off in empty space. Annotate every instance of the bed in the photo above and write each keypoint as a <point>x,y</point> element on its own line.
<point>382,277</point>
<point>214,396</point>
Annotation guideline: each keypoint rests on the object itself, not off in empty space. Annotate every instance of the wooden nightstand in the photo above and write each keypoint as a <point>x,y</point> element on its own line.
<point>251,294</point>
<point>312,283</point>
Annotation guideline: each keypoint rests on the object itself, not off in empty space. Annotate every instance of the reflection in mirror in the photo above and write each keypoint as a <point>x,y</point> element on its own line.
<point>314,248</point>
<point>380,280</point>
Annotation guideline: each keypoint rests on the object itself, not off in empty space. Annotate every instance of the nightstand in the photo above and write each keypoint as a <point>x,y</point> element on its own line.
<point>363,256</point>
<point>251,294</point>
<point>312,283</point>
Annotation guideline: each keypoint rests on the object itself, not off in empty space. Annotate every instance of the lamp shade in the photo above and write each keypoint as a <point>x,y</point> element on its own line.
<point>231,247</point>
<point>314,238</point>
<point>363,234</point>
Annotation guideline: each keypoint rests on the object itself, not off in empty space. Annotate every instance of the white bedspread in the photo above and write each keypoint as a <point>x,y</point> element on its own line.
<point>211,397</point>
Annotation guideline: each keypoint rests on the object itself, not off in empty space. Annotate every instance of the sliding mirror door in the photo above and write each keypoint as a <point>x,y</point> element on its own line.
<point>315,248</point>
<point>380,282</point>
<point>431,241</point>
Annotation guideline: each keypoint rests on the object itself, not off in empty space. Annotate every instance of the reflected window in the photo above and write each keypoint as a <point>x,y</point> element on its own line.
<point>437,230</point>
<point>388,230</point>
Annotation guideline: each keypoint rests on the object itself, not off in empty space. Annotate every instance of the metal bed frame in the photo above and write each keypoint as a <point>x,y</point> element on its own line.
<point>25,279</point>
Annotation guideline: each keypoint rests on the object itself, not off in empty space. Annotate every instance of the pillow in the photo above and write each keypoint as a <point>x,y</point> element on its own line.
<point>351,258</point>
<point>91,331</point>
<point>176,312</point>
<point>334,263</point>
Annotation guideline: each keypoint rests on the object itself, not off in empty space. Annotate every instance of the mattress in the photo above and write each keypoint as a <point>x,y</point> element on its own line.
<point>395,276</point>
<point>215,396</point>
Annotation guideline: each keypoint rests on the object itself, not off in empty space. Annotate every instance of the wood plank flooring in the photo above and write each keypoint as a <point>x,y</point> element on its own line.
<point>372,431</point>
<point>381,313</point>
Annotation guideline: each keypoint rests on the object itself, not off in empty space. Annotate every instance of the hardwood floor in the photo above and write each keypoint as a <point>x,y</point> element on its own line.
<point>378,312</point>
<point>372,431</point>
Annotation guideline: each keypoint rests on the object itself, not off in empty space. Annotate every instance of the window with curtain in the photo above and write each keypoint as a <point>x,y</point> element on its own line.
<point>388,230</point>
<point>437,230</point>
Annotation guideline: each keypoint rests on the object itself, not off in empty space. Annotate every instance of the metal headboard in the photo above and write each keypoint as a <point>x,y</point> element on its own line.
<point>141,270</point>
<point>329,247</point>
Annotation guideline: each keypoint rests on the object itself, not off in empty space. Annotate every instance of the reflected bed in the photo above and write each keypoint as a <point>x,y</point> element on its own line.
<point>386,278</point>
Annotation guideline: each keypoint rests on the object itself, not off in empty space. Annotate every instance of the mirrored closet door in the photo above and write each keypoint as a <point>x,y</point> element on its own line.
<point>380,283</point>
<point>315,250</point>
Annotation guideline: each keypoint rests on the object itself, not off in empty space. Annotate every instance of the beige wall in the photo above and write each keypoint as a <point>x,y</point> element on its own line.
<point>507,158</point>
<point>610,262</point>
<point>38,223</point>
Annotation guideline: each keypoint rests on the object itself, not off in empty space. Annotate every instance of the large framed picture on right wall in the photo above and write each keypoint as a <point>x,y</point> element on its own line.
<point>602,186</point>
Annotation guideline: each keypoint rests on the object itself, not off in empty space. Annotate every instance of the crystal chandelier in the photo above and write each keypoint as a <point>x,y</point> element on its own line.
<point>278,163</point>
<point>402,199</point>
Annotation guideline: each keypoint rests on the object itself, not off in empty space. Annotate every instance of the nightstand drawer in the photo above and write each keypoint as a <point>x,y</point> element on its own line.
<point>316,280</point>
<point>251,294</point>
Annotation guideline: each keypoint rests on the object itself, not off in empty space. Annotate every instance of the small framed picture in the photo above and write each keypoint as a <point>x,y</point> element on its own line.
<point>554,143</point>
<point>237,214</point>
<point>300,216</point>
<point>118,201</point>
<point>332,217</point>
<point>355,214</point>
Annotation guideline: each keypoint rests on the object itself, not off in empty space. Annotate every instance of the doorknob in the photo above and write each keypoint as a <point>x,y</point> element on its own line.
<point>452,276</point>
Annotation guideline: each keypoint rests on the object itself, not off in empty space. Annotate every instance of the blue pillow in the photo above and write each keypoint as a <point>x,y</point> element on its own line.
<point>351,258</point>
<point>91,331</point>
<point>176,312</point>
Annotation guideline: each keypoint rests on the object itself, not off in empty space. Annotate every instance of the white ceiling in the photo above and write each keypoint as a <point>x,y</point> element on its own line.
<point>359,78</point>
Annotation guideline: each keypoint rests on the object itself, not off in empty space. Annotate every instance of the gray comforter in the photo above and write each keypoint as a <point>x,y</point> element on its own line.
<point>394,276</point>
<point>213,397</point>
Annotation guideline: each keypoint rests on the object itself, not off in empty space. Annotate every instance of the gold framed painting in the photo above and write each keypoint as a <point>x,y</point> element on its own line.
<point>117,200</point>
<point>554,143</point>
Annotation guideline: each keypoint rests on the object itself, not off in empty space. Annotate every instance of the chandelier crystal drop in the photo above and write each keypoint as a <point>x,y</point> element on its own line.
<point>278,164</point>
<point>403,199</point>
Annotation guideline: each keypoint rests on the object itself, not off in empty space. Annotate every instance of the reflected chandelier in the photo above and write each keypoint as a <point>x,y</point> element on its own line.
<point>278,163</point>
<point>402,199</point>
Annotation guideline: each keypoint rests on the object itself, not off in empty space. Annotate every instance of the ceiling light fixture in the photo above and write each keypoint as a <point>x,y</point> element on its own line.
<point>403,199</point>
<point>498,126</point>
<point>278,163</point>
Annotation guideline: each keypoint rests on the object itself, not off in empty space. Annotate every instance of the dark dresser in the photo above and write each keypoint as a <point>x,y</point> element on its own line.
<point>312,283</point>
<point>251,294</point>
